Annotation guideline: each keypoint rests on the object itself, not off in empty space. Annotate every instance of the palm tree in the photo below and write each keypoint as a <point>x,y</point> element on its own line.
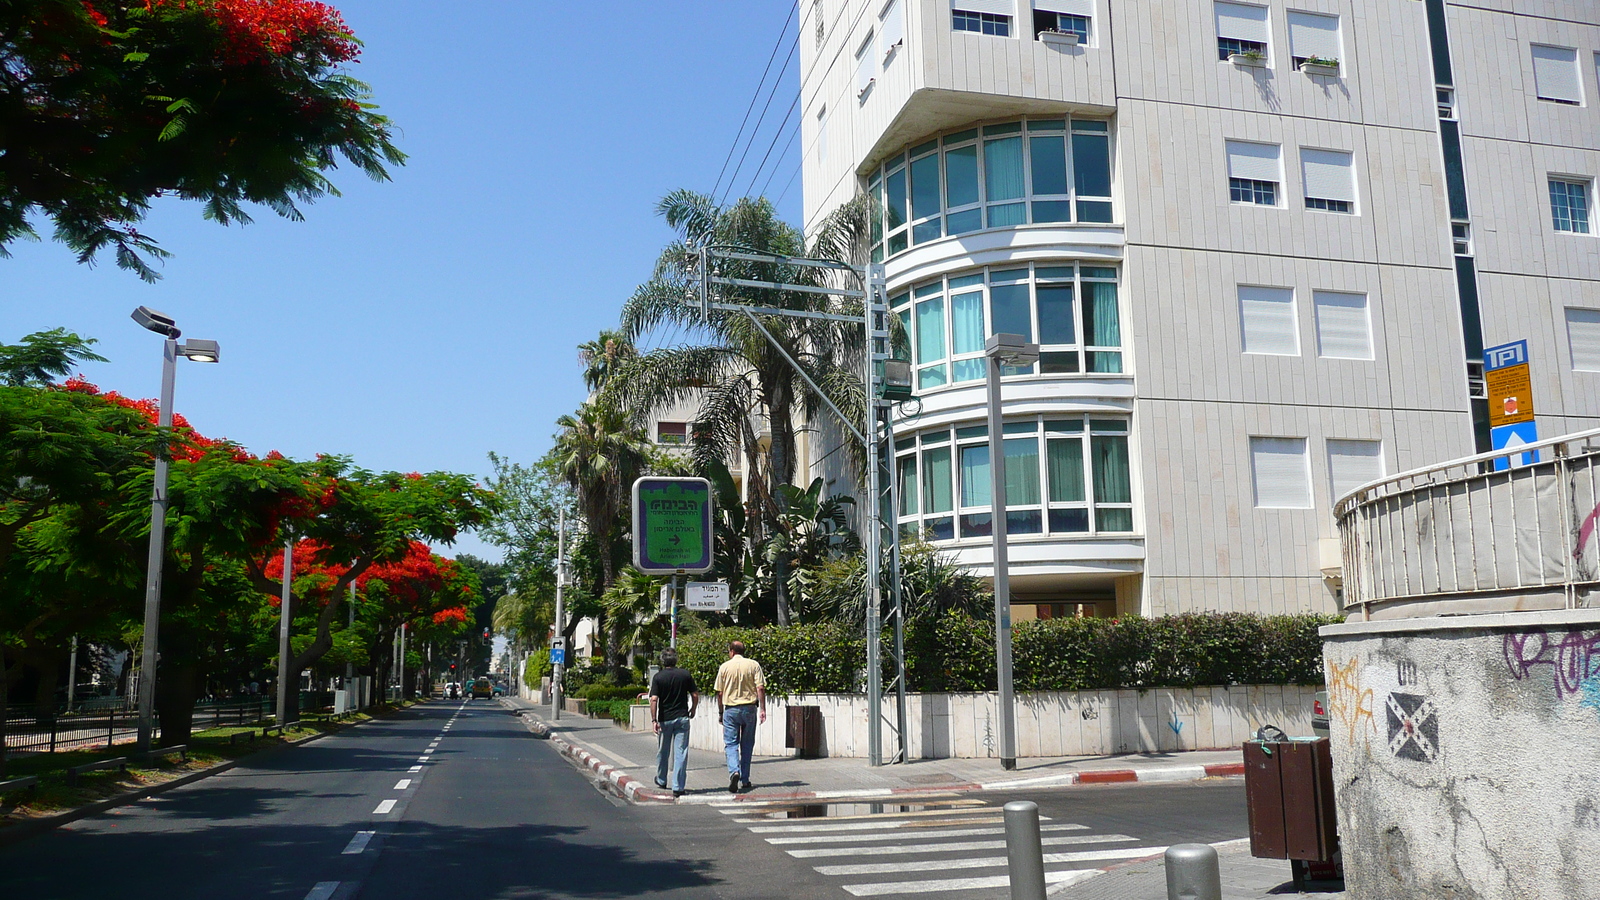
<point>599,453</point>
<point>742,381</point>
<point>602,356</point>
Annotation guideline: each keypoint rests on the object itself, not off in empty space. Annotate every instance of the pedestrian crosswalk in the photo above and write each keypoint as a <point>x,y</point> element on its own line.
<point>938,844</point>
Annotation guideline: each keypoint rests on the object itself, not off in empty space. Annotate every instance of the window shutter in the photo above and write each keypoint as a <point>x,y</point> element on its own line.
<point>1344,330</point>
<point>1328,175</point>
<point>1255,161</point>
<point>1352,464</point>
<point>1070,7</point>
<point>997,7</point>
<point>893,28</point>
<point>1281,478</point>
<point>1242,23</point>
<point>1267,321</point>
<point>1555,73</point>
<point>1583,333</point>
<point>1313,35</point>
<point>866,66</point>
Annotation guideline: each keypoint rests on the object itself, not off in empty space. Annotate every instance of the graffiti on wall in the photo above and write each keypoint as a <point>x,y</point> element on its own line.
<point>1571,657</point>
<point>1349,702</point>
<point>1413,727</point>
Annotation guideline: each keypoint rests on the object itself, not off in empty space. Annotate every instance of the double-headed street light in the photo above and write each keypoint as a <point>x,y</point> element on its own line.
<point>1003,350</point>
<point>199,351</point>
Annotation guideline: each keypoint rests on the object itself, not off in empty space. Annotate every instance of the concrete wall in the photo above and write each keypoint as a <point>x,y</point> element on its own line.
<point>1465,755</point>
<point>1086,723</point>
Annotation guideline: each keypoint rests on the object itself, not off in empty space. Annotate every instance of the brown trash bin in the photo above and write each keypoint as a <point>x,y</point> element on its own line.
<point>1288,789</point>
<point>804,731</point>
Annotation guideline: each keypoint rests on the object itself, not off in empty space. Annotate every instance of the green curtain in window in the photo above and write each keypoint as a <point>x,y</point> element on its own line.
<point>907,485</point>
<point>936,490</point>
<point>1066,470</point>
<point>930,330</point>
<point>1110,453</point>
<point>1022,471</point>
<point>877,219</point>
<point>1002,168</point>
<point>975,476</point>
<point>961,175</point>
<point>966,322</point>
<point>1100,323</point>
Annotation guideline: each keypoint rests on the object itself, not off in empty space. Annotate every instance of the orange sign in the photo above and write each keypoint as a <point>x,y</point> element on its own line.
<point>1510,395</point>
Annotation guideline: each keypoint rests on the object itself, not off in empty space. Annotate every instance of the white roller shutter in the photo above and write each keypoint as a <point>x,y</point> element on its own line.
<point>1282,480</point>
<point>1255,161</point>
<point>998,7</point>
<point>1070,7</point>
<point>893,29</point>
<point>1328,174</point>
<point>866,66</point>
<point>1242,23</point>
<point>1311,34</point>
<point>1352,464</point>
<point>1555,73</point>
<point>1583,334</point>
<point>1344,330</point>
<point>1267,321</point>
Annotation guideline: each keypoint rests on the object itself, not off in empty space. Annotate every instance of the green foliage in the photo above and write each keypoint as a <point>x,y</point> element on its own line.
<point>931,585</point>
<point>824,657</point>
<point>536,668</point>
<point>44,356</point>
<point>611,709</point>
<point>603,691</point>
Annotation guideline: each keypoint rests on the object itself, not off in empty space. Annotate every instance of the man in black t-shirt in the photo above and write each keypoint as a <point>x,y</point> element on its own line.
<point>673,700</point>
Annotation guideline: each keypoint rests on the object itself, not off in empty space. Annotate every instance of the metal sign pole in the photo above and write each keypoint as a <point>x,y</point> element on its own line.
<point>674,611</point>
<point>559,642</point>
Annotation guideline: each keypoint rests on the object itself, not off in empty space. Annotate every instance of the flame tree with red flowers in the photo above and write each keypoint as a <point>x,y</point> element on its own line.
<point>107,104</point>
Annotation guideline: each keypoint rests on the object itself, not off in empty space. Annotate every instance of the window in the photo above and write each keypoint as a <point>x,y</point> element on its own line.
<point>892,31</point>
<point>1583,338</point>
<point>672,432</point>
<point>1064,475</point>
<point>1461,238</point>
<point>1064,16</point>
<point>991,17</point>
<point>1352,464</point>
<point>866,67</point>
<point>1569,205</point>
<point>1555,74</point>
<point>1282,479</point>
<point>1313,38</point>
<point>1241,29</point>
<point>820,17</point>
<point>1268,322</point>
<point>1446,99</point>
<point>1329,180</point>
<point>999,176</point>
<point>1254,173</point>
<point>1072,311</point>
<point>1344,329</point>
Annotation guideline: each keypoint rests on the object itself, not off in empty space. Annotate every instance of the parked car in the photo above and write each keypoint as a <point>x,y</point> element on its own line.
<point>1319,714</point>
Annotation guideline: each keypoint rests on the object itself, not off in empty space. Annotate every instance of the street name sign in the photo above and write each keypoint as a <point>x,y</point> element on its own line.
<point>706,596</point>
<point>672,526</point>
<point>1509,385</point>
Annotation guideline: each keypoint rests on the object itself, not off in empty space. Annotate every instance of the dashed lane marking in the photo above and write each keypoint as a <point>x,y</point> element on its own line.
<point>384,808</point>
<point>323,890</point>
<point>414,769</point>
<point>358,843</point>
<point>402,784</point>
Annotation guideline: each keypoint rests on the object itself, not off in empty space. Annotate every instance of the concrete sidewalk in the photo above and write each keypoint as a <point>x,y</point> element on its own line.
<point>1243,878</point>
<point>627,760</point>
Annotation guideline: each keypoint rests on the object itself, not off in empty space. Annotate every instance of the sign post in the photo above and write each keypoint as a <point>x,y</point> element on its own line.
<point>1510,389</point>
<point>672,533</point>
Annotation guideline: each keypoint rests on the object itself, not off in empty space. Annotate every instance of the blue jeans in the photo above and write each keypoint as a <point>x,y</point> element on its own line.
<point>739,738</point>
<point>674,737</point>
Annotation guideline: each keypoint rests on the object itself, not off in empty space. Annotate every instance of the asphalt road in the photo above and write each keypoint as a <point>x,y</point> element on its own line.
<point>457,800</point>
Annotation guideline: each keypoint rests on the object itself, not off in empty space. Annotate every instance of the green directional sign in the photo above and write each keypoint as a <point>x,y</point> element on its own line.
<point>672,525</point>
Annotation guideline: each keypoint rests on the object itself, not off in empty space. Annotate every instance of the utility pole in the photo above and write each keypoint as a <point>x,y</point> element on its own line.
<point>402,697</point>
<point>72,675</point>
<point>284,620</point>
<point>559,642</point>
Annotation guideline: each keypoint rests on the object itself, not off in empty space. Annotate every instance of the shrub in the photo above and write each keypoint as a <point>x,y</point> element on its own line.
<point>601,691</point>
<point>610,709</point>
<point>824,657</point>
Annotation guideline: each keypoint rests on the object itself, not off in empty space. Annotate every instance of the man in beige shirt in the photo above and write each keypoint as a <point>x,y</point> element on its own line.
<point>742,702</point>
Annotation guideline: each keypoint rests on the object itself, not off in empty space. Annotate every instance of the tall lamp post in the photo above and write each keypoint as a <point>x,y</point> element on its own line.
<point>1003,350</point>
<point>199,351</point>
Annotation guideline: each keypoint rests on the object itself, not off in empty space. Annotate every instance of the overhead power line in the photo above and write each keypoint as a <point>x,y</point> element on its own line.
<point>761,118</point>
<point>793,8</point>
<point>794,133</point>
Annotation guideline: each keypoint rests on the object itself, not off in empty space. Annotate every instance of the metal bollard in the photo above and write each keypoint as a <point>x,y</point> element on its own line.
<point>1192,872</point>
<point>1025,854</point>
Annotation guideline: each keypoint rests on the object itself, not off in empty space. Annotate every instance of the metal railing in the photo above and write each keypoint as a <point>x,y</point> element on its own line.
<point>81,731</point>
<point>1474,539</point>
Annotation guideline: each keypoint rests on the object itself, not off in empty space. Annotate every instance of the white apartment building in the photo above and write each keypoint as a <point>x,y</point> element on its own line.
<point>1262,246</point>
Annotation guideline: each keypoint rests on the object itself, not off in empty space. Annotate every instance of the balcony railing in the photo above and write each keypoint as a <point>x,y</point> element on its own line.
<point>1459,537</point>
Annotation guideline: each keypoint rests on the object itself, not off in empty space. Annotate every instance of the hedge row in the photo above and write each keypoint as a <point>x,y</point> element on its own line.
<point>956,653</point>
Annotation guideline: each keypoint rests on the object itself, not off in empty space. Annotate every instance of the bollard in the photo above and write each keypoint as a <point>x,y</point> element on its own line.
<point>1192,872</point>
<point>1026,855</point>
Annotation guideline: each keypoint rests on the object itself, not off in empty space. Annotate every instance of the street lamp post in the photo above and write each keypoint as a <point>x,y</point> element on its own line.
<point>199,351</point>
<point>285,621</point>
<point>1003,350</point>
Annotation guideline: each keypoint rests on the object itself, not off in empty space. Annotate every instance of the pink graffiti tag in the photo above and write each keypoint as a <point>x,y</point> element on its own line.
<point>1585,530</point>
<point>1572,656</point>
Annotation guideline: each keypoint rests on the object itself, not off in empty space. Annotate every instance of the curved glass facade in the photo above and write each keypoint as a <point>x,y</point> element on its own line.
<point>1031,171</point>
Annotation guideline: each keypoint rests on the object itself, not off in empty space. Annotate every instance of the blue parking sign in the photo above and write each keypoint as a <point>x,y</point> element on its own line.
<point>558,656</point>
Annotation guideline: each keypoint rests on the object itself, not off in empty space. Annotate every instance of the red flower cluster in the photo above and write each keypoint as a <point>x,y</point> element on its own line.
<point>95,15</point>
<point>197,444</point>
<point>258,30</point>
<point>453,614</point>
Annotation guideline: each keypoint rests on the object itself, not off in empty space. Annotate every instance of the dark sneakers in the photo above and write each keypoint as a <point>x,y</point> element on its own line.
<point>733,783</point>
<point>661,784</point>
<point>746,788</point>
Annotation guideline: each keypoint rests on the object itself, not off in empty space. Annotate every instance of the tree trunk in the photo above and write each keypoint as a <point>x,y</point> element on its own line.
<point>5,707</point>
<point>781,460</point>
<point>176,691</point>
<point>44,696</point>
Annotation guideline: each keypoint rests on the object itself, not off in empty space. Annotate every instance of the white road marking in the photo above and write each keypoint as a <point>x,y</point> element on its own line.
<point>427,751</point>
<point>993,819</point>
<point>402,784</point>
<point>921,814</point>
<point>736,805</point>
<point>384,808</point>
<point>359,842</point>
<point>901,835</point>
<point>901,849</point>
<point>323,890</point>
<point>987,862</point>
<point>414,769</point>
<point>943,885</point>
<point>422,759</point>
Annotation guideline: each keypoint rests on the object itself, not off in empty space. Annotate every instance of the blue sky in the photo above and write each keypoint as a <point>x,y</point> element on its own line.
<point>419,324</point>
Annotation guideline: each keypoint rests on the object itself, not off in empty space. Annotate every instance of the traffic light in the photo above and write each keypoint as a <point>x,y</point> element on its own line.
<point>452,667</point>
<point>486,634</point>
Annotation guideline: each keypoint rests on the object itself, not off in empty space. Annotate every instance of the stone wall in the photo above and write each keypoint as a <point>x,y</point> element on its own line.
<point>1086,723</point>
<point>1467,755</point>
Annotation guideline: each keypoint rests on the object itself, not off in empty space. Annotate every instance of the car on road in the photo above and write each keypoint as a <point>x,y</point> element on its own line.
<point>452,691</point>
<point>481,688</point>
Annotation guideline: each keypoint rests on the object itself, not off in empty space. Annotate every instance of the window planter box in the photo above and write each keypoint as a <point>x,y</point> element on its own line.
<point>1320,69</point>
<point>1059,38</point>
<point>1254,62</point>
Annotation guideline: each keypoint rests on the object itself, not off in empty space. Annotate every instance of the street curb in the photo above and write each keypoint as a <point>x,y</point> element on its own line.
<point>634,791</point>
<point>26,828</point>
